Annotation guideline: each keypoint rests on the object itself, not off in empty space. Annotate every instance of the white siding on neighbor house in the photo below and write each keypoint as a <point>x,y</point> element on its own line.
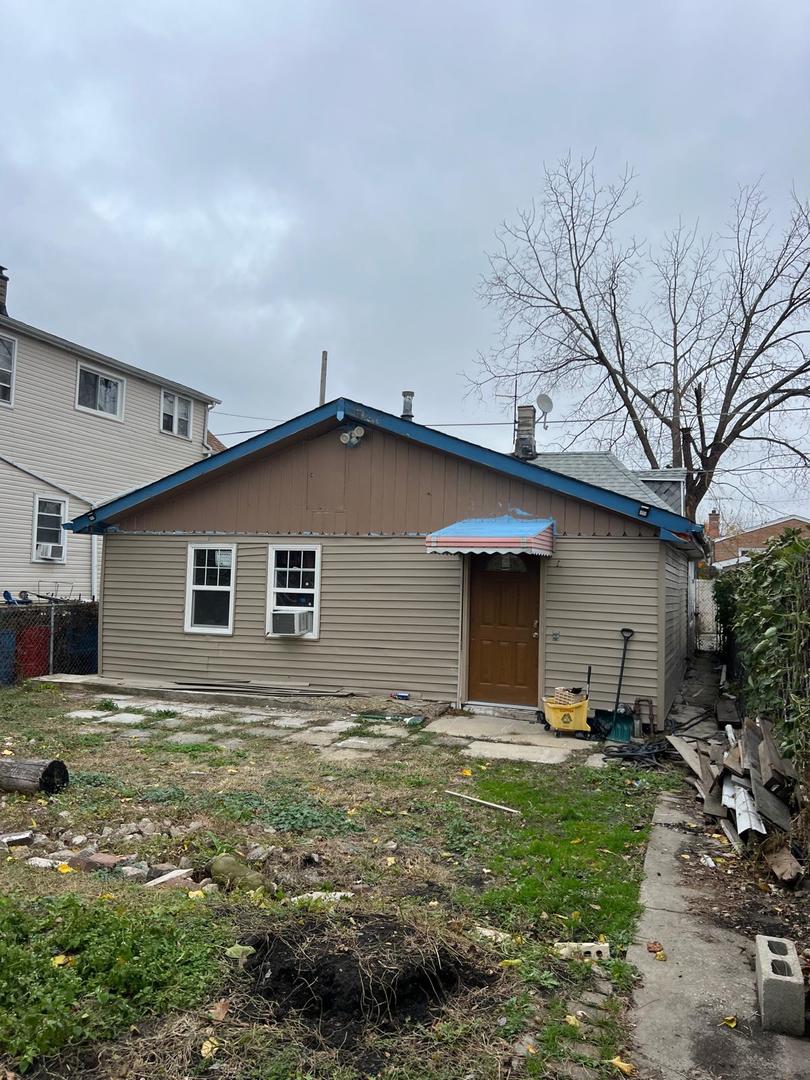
<point>389,616</point>
<point>593,588</point>
<point>18,570</point>
<point>94,455</point>
<point>674,583</point>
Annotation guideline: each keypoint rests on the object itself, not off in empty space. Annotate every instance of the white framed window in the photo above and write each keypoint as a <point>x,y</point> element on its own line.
<point>49,540</point>
<point>99,392</point>
<point>8,364</point>
<point>294,583</point>
<point>210,588</point>
<point>175,414</point>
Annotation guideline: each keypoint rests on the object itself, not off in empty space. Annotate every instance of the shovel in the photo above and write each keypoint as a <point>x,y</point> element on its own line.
<point>626,633</point>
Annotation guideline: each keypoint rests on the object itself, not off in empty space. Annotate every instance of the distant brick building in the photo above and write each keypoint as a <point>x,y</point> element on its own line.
<point>741,543</point>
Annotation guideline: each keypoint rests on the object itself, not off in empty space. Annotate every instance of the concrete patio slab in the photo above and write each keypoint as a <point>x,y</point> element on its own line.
<point>501,728</point>
<point>540,755</point>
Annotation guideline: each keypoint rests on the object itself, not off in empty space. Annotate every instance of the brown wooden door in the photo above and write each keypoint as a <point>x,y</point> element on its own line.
<point>504,610</point>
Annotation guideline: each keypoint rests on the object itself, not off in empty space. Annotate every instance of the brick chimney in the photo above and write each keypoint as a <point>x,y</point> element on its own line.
<point>3,290</point>
<point>525,447</point>
<point>713,525</point>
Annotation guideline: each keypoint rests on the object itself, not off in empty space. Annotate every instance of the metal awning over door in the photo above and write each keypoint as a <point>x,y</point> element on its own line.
<point>508,534</point>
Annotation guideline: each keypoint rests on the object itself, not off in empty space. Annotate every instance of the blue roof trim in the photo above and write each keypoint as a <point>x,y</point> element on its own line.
<point>343,408</point>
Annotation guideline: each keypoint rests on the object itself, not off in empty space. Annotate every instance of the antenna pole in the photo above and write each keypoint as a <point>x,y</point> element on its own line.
<point>322,400</point>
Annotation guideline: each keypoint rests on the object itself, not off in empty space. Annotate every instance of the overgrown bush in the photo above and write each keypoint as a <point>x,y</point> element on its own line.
<point>766,604</point>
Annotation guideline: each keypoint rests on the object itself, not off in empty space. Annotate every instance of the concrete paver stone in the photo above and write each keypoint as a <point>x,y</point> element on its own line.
<point>541,755</point>
<point>292,721</point>
<point>87,714</point>
<point>365,742</point>
<point>188,738</point>
<point>313,737</point>
<point>122,719</point>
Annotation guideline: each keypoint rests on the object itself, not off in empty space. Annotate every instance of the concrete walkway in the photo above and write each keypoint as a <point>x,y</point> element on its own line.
<point>508,739</point>
<point>708,974</point>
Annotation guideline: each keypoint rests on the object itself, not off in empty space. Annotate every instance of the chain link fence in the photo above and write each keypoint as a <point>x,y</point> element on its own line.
<point>48,638</point>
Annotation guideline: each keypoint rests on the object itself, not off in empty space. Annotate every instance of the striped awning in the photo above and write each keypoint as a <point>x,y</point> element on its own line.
<point>510,533</point>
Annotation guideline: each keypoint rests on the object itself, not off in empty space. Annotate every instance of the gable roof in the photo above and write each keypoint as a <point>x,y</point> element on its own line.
<point>15,326</point>
<point>603,469</point>
<point>764,525</point>
<point>343,410</point>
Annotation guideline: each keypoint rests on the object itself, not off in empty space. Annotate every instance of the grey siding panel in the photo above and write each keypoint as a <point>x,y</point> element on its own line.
<point>17,568</point>
<point>94,456</point>
<point>594,587</point>
<point>389,616</point>
<point>675,566</point>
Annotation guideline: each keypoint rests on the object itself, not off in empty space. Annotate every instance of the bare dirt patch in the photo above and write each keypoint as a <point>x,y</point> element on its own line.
<point>344,976</point>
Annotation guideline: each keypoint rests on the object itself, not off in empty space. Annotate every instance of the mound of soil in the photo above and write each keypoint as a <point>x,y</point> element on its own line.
<point>346,975</point>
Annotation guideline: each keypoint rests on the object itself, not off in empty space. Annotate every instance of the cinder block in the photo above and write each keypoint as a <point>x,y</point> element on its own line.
<point>780,985</point>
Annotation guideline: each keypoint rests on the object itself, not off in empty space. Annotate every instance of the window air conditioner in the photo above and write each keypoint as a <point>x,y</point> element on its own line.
<point>51,552</point>
<point>291,623</point>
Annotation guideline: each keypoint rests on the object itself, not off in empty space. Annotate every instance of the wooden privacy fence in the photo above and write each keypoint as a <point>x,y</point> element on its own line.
<point>48,638</point>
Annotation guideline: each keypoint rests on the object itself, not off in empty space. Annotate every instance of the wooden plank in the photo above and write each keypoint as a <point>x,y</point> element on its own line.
<point>751,739</point>
<point>770,807</point>
<point>732,760</point>
<point>733,836</point>
<point>777,771</point>
<point>688,751</point>
<point>726,710</point>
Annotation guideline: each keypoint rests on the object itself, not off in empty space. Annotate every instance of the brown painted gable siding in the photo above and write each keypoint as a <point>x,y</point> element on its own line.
<point>731,546</point>
<point>386,485</point>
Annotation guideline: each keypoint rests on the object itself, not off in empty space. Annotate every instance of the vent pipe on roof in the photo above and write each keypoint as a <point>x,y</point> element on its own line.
<point>525,446</point>
<point>3,290</point>
<point>407,405</point>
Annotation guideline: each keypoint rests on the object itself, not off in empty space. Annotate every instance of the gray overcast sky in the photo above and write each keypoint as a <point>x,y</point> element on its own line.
<point>219,191</point>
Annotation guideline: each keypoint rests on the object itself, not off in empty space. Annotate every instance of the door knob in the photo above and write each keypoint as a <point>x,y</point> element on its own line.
<point>535,634</point>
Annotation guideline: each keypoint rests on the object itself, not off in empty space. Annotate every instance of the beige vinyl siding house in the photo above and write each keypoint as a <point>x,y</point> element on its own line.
<point>674,578</point>
<point>301,558</point>
<point>87,427</point>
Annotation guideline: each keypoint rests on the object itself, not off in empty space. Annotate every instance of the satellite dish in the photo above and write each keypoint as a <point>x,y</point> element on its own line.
<point>544,403</point>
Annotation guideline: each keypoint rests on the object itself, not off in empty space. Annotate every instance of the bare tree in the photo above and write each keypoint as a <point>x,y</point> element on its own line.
<point>681,353</point>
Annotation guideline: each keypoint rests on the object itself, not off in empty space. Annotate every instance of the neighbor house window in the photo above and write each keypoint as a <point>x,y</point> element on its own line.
<point>49,539</point>
<point>7,360</point>
<point>175,414</point>
<point>210,588</point>
<point>100,393</point>
<point>294,583</point>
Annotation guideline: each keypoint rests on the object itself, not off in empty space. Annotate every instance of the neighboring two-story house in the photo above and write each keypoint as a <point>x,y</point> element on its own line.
<point>77,428</point>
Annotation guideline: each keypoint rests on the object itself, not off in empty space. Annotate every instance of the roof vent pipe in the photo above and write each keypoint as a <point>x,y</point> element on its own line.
<point>3,290</point>
<point>525,446</point>
<point>407,405</point>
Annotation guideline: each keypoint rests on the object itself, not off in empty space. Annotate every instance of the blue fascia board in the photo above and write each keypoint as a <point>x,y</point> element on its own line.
<point>342,409</point>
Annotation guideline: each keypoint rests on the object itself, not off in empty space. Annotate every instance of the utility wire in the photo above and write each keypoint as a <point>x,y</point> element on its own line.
<point>510,423</point>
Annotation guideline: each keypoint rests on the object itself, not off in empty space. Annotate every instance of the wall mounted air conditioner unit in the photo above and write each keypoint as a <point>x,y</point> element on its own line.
<point>291,623</point>
<point>51,552</point>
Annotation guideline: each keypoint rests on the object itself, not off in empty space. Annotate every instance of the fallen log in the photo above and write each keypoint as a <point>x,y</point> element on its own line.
<point>32,776</point>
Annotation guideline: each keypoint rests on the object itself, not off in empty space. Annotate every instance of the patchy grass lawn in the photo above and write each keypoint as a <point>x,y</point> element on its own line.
<point>102,978</point>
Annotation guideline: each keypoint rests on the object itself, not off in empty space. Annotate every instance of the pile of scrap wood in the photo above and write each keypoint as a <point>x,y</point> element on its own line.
<point>744,782</point>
